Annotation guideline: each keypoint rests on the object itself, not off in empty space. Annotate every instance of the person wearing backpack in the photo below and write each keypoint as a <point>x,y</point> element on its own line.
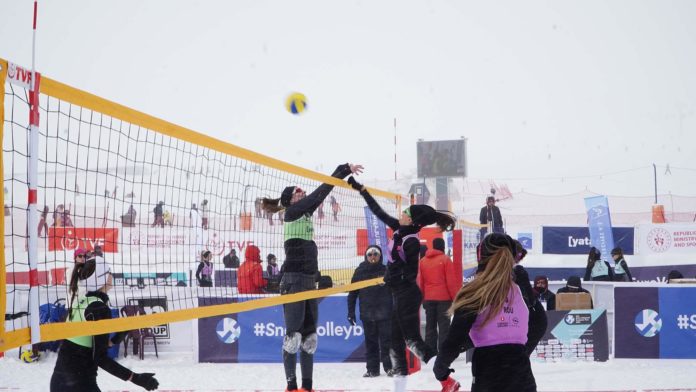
<point>80,356</point>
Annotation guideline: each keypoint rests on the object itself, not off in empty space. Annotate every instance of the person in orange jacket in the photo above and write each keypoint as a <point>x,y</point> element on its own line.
<point>439,284</point>
<point>250,275</point>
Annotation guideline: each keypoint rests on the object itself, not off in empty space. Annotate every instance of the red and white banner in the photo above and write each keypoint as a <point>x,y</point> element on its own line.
<point>69,238</point>
<point>667,238</point>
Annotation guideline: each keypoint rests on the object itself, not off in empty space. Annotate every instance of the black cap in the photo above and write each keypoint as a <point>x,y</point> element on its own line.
<point>422,215</point>
<point>574,281</point>
<point>617,251</point>
<point>286,196</point>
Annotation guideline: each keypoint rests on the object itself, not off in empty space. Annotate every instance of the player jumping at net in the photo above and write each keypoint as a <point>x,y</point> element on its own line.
<point>403,255</point>
<point>79,357</point>
<point>299,274</point>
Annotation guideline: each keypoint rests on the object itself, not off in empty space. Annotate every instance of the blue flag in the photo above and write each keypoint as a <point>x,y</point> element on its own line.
<point>599,223</point>
<point>376,232</point>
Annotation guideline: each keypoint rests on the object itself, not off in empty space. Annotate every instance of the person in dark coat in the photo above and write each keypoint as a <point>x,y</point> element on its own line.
<point>574,285</point>
<point>621,271</point>
<point>543,294</point>
<point>490,213</point>
<point>231,260</point>
<point>538,321</point>
<point>597,269</point>
<point>375,312</point>
<point>490,314</point>
<point>403,255</point>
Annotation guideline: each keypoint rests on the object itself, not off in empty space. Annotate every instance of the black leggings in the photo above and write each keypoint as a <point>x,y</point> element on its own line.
<point>406,328</point>
<point>64,381</point>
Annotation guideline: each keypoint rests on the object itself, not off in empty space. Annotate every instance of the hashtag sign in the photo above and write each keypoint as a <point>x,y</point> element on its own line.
<point>683,321</point>
<point>259,329</point>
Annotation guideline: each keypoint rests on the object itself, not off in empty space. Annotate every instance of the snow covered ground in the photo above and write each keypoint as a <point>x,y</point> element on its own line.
<point>182,373</point>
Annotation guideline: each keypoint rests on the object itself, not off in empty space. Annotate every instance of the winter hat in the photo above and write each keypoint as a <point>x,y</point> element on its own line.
<point>617,251</point>
<point>491,243</point>
<point>286,196</point>
<point>439,244</point>
<point>79,252</point>
<point>373,248</point>
<point>422,215</point>
<point>252,253</point>
<point>574,282</point>
<point>271,256</point>
<point>674,274</point>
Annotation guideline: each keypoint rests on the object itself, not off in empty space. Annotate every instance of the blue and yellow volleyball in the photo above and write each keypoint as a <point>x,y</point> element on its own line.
<point>296,103</point>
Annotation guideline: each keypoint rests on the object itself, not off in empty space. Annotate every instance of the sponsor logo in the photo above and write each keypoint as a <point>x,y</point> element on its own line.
<point>151,306</point>
<point>227,330</point>
<point>648,323</point>
<point>578,319</point>
<point>575,242</point>
<point>659,239</point>
<point>328,329</point>
<point>216,245</point>
<point>70,238</point>
<point>19,76</point>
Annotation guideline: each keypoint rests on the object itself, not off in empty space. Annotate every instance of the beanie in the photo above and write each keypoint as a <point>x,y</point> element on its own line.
<point>286,196</point>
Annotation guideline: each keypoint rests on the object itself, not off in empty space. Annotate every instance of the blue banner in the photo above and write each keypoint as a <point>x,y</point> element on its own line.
<point>257,335</point>
<point>655,322</point>
<point>376,231</point>
<point>599,223</point>
<point>576,240</point>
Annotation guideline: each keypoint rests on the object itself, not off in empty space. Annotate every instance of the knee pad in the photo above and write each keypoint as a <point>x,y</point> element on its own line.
<point>291,342</point>
<point>309,343</point>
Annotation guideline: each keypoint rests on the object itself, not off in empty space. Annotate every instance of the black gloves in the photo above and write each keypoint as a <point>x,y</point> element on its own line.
<point>342,171</point>
<point>145,380</point>
<point>351,319</point>
<point>354,184</point>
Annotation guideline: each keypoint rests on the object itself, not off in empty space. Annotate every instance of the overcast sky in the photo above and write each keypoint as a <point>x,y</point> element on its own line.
<point>540,89</point>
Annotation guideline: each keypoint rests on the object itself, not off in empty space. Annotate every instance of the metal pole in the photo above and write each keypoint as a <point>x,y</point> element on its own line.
<point>32,213</point>
<point>655,180</point>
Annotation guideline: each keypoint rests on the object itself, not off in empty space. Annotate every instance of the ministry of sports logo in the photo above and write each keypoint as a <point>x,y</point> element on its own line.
<point>228,330</point>
<point>648,323</point>
<point>659,239</point>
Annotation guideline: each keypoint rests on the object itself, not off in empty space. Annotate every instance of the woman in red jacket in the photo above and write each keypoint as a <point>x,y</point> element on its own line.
<point>439,283</point>
<point>250,275</point>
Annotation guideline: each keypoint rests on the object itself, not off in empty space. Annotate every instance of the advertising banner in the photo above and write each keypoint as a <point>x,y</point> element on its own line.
<point>669,238</point>
<point>655,322</point>
<point>257,335</point>
<point>576,240</point>
<point>574,335</point>
<point>69,238</point>
<point>376,231</point>
<point>599,223</point>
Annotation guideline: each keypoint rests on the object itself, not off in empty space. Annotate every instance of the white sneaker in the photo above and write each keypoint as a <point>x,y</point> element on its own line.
<point>400,383</point>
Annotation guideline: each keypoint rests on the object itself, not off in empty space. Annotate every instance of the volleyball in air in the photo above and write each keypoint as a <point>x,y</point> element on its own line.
<point>296,103</point>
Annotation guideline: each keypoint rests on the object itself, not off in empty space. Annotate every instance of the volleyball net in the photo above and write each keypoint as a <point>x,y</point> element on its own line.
<point>149,197</point>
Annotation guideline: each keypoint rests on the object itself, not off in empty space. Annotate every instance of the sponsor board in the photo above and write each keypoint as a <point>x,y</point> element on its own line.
<point>576,240</point>
<point>667,238</point>
<point>575,335</point>
<point>257,335</point>
<point>655,322</point>
<point>70,238</point>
